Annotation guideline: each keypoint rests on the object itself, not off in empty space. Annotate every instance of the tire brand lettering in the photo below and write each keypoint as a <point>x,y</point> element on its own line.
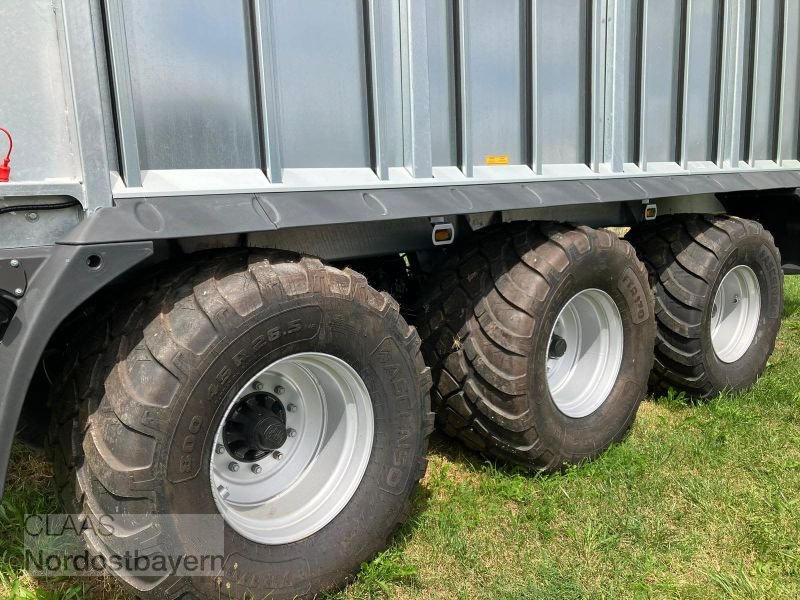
<point>629,284</point>
<point>397,472</point>
<point>773,274</point>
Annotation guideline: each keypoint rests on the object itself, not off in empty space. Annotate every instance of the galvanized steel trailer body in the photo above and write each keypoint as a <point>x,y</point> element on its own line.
<point>173,120</point>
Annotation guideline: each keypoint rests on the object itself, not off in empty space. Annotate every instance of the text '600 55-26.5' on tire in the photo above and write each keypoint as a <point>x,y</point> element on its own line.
<point>540,338</point>
<point>287,396</point>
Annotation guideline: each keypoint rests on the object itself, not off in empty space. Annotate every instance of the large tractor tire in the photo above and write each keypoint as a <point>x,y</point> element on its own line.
<point>286,397</point>
<point>540,338</point>
<point>718,286</point>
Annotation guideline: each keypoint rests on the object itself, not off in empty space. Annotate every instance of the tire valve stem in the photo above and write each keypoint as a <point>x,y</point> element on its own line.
<point>736,299</point>
<point>234,466</point>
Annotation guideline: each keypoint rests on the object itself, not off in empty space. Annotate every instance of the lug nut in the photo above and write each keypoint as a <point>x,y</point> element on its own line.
<point>258,386</point>
<point>291,408</point>
<point>277,455</point>
<point>256,469</point>
<point>14,263</point>
<point>18,292</point>
<point>291,432</point>
<point>220,449</point>
<point>279,389</point>
<point>234,466</point>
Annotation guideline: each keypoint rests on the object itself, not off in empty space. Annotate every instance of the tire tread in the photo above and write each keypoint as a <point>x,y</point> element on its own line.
<point>478,359</point>
<point>683,254</point>
<point>95,398</point>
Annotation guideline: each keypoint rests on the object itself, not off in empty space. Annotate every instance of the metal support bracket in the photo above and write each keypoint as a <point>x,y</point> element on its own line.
<point>13,278</point>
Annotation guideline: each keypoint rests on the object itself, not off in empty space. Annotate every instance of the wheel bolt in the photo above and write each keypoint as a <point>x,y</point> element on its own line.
<point>256,469</point>
<point>14,263</point>
<point>291,408</point>
<point>277,455</point>
<point>291,432</point>
<point>279,389</point>
<point>258,386</point>
<point>220,449</point>
<point>234,466</point>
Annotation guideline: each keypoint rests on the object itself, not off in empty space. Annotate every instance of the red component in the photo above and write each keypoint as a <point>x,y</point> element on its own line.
<point>5,170</point>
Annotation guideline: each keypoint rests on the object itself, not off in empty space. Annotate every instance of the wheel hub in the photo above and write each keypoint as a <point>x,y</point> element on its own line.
<point>255,427</point>
<point>735,314</point>
<point>558,346</point>
<point>584,353</point>
<point>292,448</point>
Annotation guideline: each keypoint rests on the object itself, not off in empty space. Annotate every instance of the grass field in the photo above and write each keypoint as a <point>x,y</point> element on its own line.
<point>701,501</point>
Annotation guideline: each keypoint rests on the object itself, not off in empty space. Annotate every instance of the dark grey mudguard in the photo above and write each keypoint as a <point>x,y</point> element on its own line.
<point>58,279</point>
<point>187,216</point>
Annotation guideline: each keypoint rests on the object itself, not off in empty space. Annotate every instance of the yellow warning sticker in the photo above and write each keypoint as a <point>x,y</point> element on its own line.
<point>497,159</point>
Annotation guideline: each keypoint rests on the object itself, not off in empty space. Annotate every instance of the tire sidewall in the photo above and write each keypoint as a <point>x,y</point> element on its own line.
<point>613,272</point>
<point>361,338</point>
<point>753,253</point>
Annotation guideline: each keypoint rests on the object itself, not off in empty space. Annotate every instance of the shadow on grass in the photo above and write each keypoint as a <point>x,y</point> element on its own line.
<point>791,305</point>
<point>674,400</point>
<point>31,490</point>
<point>454,451</point>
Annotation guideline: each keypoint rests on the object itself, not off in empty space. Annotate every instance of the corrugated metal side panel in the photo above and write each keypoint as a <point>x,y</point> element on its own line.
<point>322,85</point>
<point>699,98</point>
<point>441,66</point>
<point>192,83</point>
<point>35,104</point>
<point>563,93</point>
<point>348,92</point>
<point>497,78</point>
<point>789,88</point>
<point>660,52</point>
<point>765,63</point>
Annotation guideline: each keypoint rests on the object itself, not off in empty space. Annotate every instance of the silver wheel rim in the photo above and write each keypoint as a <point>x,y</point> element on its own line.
<point>584,353</point>
<point>735,314</point>
<point>293,492</point>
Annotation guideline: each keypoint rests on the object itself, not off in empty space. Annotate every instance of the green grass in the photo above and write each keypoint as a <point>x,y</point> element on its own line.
<point>700,501</point>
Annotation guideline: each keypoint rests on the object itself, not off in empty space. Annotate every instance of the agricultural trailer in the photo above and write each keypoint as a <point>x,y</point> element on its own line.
<point>250,251</point>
